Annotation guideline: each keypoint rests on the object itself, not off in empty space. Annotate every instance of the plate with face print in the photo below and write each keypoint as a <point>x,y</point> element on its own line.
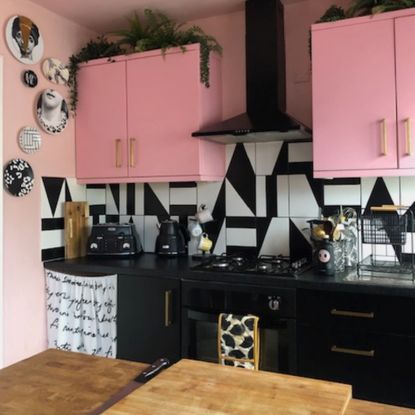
<point>18,177</point>
<point>55,71</point>
<point>24,40</point>
<point>30,140</point>
<point>52,111</point>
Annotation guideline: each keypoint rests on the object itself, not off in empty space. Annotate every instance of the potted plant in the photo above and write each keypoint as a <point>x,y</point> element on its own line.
<point>155,31</point>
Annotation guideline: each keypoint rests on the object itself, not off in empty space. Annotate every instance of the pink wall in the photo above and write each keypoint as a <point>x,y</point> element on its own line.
<point>298,18</point>
<point>24,310</point>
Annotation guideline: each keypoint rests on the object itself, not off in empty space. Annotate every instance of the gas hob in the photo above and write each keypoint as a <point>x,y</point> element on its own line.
<point>278,265</point>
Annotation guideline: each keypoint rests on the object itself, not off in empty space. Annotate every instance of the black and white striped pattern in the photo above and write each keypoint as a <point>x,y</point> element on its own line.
<point>30,140</point>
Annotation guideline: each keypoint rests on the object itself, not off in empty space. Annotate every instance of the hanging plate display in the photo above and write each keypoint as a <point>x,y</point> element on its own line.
<point>52,111</point>
<point>30,79</point>
<point>18,177</point>
<point>24,40</point>
<point>30,139</point>
<point>55,71</point>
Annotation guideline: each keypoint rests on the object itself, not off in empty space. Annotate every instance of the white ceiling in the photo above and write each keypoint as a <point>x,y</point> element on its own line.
<point>107,15</point>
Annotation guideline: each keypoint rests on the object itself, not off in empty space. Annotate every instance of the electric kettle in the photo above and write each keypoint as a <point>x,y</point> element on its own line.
<point>172,239</point>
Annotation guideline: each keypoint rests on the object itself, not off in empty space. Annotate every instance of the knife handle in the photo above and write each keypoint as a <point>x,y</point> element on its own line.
<point>153,370</point>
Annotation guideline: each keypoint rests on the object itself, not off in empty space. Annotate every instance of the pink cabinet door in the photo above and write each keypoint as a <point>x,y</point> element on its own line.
<point>163,110</point>
<point>405,82</point>
<point>101,126</point>
<point>354,113</point>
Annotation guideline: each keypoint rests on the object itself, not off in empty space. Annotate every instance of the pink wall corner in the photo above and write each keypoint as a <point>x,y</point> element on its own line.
<point>24,308</point>
<point>229,30</point>
<point>299,16</point>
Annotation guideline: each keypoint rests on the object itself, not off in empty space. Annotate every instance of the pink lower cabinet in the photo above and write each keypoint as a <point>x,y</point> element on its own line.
<point>163,102</point>
<point>362,96</point>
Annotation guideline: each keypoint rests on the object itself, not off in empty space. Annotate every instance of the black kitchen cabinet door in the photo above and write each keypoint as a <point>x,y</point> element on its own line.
<point>148,321</point>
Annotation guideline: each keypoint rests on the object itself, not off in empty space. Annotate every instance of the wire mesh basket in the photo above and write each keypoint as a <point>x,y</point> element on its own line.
<point>384,228</point>
<point>387,248</point>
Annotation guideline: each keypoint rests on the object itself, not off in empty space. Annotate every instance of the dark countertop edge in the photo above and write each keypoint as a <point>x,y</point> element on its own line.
<point>149,265</point>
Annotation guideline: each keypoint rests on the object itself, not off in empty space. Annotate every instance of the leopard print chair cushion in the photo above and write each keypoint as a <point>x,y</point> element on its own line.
<point>238,341</point>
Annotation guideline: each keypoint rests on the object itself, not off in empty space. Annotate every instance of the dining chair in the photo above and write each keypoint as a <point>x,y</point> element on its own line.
<point>238,341</point>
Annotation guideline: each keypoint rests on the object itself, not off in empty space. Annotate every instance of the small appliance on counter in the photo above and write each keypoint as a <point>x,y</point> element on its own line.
<point>172,239</point>
<point>119,239</point>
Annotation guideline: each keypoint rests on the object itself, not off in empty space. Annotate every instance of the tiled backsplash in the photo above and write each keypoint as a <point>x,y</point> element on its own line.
<point>261,207</point>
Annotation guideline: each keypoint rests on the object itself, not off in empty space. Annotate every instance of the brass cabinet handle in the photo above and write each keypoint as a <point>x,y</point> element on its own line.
<point>356,352</point>
<point>345,313</point>
<point>70,228</point>
<point>118,159</point>
<point>408,133</point>
<point>384,137</point>
<point>167,308</point>
<point>132,152</point>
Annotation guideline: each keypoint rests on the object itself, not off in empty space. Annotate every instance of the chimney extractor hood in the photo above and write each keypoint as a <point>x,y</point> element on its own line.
<point>265,119</point>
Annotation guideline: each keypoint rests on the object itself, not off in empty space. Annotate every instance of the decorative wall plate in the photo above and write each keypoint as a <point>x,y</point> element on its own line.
<point>52,111</point>
<point>24,40</point>
<point>29,79</point>
<point>30,139</point>
<point>55,71</point>
<point>18,177</point>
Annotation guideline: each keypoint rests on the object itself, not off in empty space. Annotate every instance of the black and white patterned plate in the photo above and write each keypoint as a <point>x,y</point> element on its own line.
<point>18,177</point>
<point>30,139</point>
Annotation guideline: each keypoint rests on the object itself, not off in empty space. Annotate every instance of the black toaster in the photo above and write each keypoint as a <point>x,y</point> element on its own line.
<point>114,239</point>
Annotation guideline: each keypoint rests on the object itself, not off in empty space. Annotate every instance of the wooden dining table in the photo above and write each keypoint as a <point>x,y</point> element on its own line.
<point>58,382</point>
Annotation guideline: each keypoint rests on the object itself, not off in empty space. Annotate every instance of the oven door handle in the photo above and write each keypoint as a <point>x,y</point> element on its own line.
<point>202,315</point>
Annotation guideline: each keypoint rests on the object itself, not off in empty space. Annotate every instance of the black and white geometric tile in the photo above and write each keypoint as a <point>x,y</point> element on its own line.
<point>261,207</point>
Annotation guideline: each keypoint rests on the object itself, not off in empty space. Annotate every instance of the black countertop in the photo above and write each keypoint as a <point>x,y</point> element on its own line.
<point>181,268</point>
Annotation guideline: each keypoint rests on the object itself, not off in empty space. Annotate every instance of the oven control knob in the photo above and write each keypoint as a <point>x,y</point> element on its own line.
<point>274,303</point>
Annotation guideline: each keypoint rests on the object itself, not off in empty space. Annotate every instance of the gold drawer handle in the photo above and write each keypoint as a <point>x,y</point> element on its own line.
<point>132,152</point>
<point>355,352</point>
<point>345,313</point>
<point>118,159</point>
<point>70,228</point>
<point>167,308</point>
<point>408,133</point>
<point>384,137</point>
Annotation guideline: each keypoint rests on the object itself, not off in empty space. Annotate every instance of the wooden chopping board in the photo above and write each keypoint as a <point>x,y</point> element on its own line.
<point>199,388</point>
<point>76,229</point>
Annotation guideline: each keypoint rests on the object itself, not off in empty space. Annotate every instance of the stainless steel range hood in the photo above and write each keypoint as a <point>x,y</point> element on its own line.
<point>265,119</point>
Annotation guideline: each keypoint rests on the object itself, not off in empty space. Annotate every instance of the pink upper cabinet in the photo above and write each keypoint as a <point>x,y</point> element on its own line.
<point>164,103</point>
<point>405,82</point>
<point>356,93</point>
<point>101,125</point>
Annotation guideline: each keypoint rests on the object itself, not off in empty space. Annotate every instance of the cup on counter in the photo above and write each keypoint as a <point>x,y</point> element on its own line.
<point>205,244</point>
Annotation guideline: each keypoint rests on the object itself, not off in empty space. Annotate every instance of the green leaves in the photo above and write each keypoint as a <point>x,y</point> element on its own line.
<point>157,31</point>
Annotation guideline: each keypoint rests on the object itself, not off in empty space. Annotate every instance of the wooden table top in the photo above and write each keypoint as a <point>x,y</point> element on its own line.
<point>59,383</point>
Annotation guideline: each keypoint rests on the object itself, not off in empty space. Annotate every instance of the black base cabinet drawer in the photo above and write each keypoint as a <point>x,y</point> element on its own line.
<point>148,318</point>
<point>379,367</point>
<point>374,313</point>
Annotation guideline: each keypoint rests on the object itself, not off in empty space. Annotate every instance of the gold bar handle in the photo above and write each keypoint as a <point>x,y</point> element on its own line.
<point>132,152</point>
<point>118,159</point>
<point>346,313</point>
<point>167,308</point>
<point>384,138</point>
<point>408,133</point>
<point>355,352</point>
<point>70,228</point>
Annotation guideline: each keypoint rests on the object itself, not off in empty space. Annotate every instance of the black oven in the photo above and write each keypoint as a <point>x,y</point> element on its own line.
<point>202,302</point>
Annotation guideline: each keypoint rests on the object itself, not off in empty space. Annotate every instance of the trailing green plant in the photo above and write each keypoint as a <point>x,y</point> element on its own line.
<point>365,7</point>
<point>94,49</point>
<point>158,31</point>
